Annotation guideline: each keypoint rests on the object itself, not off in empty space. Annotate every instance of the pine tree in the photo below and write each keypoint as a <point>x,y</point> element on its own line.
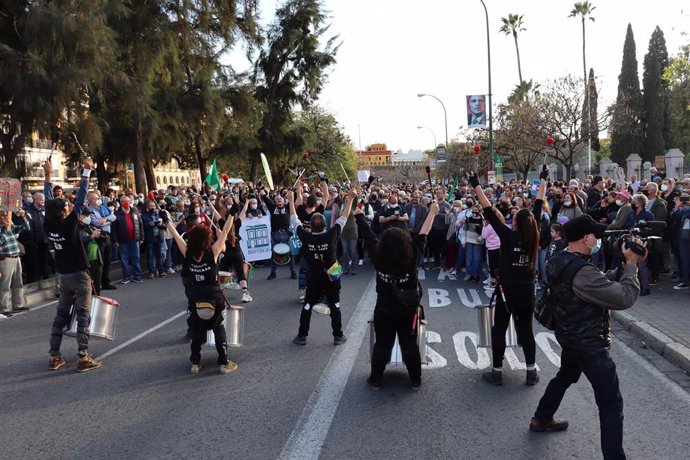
<point>655,96</point>
<point>594,118</point>
<point>627,112</point>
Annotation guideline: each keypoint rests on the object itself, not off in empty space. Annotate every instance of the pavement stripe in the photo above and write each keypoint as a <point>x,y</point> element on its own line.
<point>310,432</point>
<point>141,336</point>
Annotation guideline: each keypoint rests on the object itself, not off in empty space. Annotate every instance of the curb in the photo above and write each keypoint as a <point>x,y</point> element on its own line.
<point>675,352</point>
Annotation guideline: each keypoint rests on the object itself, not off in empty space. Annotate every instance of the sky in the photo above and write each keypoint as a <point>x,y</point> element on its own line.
<point>394,49</point>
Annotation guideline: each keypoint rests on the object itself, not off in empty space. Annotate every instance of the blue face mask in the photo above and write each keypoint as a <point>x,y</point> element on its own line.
<point>596,247</point>
<point>29,200</point>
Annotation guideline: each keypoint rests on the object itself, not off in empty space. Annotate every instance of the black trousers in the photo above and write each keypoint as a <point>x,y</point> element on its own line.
<point>386,326</point>
<point>437,243</point>
<point>198,330</point>
<point>317,285</point>
<point>106,254</point>
<point>520,298</point>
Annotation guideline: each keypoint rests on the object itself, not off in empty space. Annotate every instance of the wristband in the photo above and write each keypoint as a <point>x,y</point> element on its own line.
<point>86,173</point>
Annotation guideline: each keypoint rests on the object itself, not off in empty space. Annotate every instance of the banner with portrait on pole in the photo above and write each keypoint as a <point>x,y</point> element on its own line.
<point>476,111</point>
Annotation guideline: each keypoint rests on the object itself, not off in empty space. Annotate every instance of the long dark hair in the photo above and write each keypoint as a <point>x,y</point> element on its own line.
<point>395,252</point>
<point>54,210</point>
<point>199,240</point>
<point>526,226</point>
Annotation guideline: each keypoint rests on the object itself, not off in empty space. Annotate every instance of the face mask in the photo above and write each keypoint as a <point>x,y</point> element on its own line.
<point>393,205</point>
<point>213,202</point>
<point>594,249</point>
<point>664,188</point>
<point>567,204</point>
<point>99,202</point>
<point>29,200</point>
<point>525,195</point>
<point>384,202</point>
<point>619,202</point>
<point>86,220</point>
<point>125,205</point>
<point>519,190</point>
<point>112,209</point>
<point>253,207</point>
<point>152,209</point>
<point>318,202</point>
<point>469,204</point>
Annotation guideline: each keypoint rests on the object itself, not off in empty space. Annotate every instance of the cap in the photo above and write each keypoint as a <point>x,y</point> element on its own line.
<point>623,193</point>
<point>581,226</point>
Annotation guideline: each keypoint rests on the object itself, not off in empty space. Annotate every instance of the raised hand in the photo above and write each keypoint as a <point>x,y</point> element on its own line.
<point>473,179</point>
<point>88,163</point>
<point>544,174</point>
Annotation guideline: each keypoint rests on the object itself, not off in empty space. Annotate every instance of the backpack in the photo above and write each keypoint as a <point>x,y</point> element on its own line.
<point>544,308</point>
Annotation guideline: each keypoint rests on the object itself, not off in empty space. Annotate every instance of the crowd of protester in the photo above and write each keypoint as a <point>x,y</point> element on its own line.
<point>121,224</point>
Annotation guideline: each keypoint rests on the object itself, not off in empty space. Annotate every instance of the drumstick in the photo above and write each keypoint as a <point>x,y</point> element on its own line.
<point>298,178</point>
<point>344,172</point>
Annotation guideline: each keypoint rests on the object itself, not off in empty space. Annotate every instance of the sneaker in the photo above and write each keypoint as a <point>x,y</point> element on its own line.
<point>151,276</point>
<point>18,309</point>
<point>644,292</point>
<point>551,425</point>
<point>493,377</point>
<point>487,280</point>
<point>8,314</point>
<point>272,276</point>
<point>137,281</point>
<point>361,262</point>
<point>55,362</point>
<point>125,281</point>
<point>163,275</point>
<point>299,340</point>
<point>246,297</point>
<point>416,386</point>
<point>228,367</point>
<point>293,275</point>
<point>339,340</point>
<point>108,287</point>
<point>302,295</point>
<point>171,271</point>
<point>532,377</point>
<point>681,286</point>
<point>87,363</point>
<point>653,282</point>
<point>373,385</point>
<point>666,273</point>
<point>196,368</point>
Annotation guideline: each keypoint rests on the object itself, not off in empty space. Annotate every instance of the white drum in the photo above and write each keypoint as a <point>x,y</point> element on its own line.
<point>234,327</point>
<point>396,353</point>
<point>281,254</point>
<point>103,319</point>
<point>225,279</point>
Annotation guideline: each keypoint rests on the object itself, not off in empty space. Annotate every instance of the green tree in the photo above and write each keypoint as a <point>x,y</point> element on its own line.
<point>626,137</point>
<point>44,76</point>
<point>677,76</point>
<point>593,118</point>
<point>584,10</point>
<point>511,26</point>
<point>290,70</point>
<point>655,95</point>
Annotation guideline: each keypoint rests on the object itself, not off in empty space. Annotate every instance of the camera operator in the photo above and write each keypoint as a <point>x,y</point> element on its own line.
<point>680,220</point>
<point>657,206</point>
<point>582,327</point>
<point>640,214</point>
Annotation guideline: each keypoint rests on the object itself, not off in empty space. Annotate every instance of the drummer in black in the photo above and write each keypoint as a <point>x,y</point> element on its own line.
<point>319,248</point>
<point>72,266</point>
<point>205,298</point>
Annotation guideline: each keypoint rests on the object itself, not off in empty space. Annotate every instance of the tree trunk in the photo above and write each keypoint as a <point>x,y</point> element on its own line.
<point>254,172</point>
<point>203,162</point>
<point>102,176</point>
<point>517,51</point>
<point>10,152</point>
<point>150,177</point>
<point>139,173</point>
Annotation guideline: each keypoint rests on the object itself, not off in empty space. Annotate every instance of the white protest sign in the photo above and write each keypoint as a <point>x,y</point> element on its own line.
<point>255,238</point>
<point>363,176</point>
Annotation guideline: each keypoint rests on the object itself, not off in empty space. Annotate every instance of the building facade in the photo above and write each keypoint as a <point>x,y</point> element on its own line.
<point>374,155</point>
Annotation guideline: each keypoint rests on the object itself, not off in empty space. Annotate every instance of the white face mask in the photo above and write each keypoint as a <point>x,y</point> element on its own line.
<point>318,202</point>
<point>664,187</point>
<point>253,206</point>
<point>594,249</point>
<point>567,204</point>
<point>86,220</point>
<point>99,202</point>
<point>393,205</point>
<point>619,202</point>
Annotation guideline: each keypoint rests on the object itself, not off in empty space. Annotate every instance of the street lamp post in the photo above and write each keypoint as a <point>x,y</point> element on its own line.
<point>432,133</point>
<point>445,119</point>
<point>488,54</point>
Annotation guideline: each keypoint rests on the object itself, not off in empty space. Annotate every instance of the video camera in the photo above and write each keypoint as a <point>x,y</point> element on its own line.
<point>645,231</point>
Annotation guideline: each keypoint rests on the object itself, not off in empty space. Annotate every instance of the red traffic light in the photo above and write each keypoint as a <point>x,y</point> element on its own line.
<point>477,149</point>
<point>549,141</point>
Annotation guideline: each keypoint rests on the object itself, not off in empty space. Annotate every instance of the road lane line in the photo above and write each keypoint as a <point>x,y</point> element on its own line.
<point>141,336</point>
<point>310,432</point>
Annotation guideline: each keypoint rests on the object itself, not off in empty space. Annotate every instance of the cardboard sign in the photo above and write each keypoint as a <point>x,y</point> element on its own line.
<point>535,186</point>
<point>255,239</point>
<point>491,177</point>
<point>363,176</point>
<point>10,194</point>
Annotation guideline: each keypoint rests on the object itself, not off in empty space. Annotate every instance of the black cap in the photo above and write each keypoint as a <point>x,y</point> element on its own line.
<point>581,226</point>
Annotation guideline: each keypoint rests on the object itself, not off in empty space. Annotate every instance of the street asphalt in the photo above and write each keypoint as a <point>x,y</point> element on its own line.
<point>288,401</point>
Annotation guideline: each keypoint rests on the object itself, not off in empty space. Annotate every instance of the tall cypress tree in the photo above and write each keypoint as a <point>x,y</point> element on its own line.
<point>655,96</point>
<point>627,113</point>
<point>594,120</point>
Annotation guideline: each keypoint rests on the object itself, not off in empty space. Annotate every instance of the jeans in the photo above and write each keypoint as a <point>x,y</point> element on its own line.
<point>154,256</point>
<point>281,236</point>
<point>600,370</point>
<point>349,253</point>
<point>75,288</point>
<point>542,265</point>
<point>684,259</point>
<point>474,259</point>
<point>129,254</point>
<point>460,258</point>
<point>168,253</point>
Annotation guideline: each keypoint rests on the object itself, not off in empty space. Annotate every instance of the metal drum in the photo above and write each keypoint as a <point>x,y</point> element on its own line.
<point>281,254</point>
<point>103,319</point>
<point>485,319</point>
<point>234,327</point>
<point>225,279</point>
<point>396,353</point>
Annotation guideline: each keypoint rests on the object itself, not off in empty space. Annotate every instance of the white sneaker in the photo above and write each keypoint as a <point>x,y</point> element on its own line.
<point>361,262</point>
<point>302,295</point>
<point>488,280</point>
<point>246,297</point>
<point>171,271</point>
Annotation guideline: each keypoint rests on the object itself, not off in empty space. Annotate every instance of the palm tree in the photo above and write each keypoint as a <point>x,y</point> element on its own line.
<point>584,11</point>
<point>511,26</point>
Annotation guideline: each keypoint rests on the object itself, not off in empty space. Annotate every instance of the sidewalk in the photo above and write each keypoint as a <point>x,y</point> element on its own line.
<point>662,320</point>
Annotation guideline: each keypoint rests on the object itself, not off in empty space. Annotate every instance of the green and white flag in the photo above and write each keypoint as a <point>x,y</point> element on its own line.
<point>212,177</point>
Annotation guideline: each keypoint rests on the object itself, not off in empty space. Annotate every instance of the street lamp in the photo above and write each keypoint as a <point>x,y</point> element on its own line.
<point>445,119</point>
<point>488,54</point>
<point>432,133</point>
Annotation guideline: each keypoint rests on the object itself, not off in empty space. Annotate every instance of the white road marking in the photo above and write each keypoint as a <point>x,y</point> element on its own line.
<point>483,360</point>
<point>310,432</point>
<point>474,294</point>
<point>43,305</point>
<point>438,298</point>
<point>436,361</point>
<point>421,274</point>
<point>141,336</point>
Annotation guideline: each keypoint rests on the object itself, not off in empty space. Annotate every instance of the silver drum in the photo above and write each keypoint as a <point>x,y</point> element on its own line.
<point>234,327</point>
<point>103,319</point>
<point>485,319</point>
<point>396,353</point>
